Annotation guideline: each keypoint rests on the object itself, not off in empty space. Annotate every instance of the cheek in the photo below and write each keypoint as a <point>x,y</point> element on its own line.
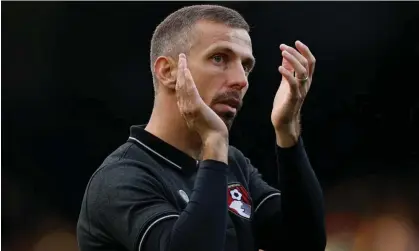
<point>208,83</point>
<point>208,90</point>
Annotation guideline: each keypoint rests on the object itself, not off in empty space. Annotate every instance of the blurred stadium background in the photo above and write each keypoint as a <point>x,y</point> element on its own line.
<point>75,76</point>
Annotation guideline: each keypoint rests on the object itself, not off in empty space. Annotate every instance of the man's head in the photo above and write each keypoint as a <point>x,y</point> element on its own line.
<point>218,47</point>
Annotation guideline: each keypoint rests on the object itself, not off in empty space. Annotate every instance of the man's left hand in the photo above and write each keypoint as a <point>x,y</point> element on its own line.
<point>297,72</point>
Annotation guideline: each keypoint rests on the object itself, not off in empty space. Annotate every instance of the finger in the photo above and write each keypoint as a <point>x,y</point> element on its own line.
<point>305,51</point>
<point>296,54</point>
<point>180,80</point>
<point>285,62</point>
<point>180,83</point>
<point>186,90</point>
<point>189,82</point>
<point>290,79</point>
<point>300,70</point>
<point>190,85</point>
<point>287,65</point>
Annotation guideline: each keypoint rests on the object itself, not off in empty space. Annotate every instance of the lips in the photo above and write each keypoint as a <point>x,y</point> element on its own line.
<point>234,103</point>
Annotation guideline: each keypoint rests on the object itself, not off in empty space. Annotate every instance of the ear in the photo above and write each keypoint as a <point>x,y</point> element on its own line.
<point>165,70</point>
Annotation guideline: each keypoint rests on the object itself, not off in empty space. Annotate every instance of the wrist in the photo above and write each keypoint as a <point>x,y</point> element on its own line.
<point>215,147</point>
<point>286,139</point>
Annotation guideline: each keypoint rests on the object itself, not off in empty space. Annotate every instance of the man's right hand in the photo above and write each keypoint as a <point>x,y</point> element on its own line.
<point>199,116</point>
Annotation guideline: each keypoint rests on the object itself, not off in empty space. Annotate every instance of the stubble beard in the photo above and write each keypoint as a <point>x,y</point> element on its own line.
<point>227,117</point>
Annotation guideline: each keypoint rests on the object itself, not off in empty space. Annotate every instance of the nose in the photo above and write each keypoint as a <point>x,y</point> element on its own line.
<point>238,77</point>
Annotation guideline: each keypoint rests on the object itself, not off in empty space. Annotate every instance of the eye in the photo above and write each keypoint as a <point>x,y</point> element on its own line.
<point>218,58</point>
<point>247,68</point>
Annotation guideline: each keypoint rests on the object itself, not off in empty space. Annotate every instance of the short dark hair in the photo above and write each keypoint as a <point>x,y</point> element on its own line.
<point>172,36</point>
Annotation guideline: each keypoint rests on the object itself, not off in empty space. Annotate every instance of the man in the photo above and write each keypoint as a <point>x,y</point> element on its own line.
<point>177,184</point>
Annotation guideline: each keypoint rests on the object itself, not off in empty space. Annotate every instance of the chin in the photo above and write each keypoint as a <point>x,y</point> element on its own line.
<point>228,119</point>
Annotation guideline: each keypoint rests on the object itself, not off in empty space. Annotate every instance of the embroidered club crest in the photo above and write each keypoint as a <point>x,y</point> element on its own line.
<point>238,200</point>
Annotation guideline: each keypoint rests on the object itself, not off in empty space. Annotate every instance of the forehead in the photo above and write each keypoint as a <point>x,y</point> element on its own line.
<point>210,35</point>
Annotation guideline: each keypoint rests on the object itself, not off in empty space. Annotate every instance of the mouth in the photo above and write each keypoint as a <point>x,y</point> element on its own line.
<point>233,103</point>
<point>228,106</point>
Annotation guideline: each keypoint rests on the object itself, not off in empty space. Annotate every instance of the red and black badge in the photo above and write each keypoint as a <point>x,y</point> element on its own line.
<point>239,201</point>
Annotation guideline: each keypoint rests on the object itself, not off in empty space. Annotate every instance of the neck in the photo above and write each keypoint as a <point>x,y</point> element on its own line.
<point>167,124</point>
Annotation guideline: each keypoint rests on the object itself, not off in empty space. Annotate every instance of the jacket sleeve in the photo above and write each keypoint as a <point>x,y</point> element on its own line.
<point>292,218</point>
<point>129,206</point>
